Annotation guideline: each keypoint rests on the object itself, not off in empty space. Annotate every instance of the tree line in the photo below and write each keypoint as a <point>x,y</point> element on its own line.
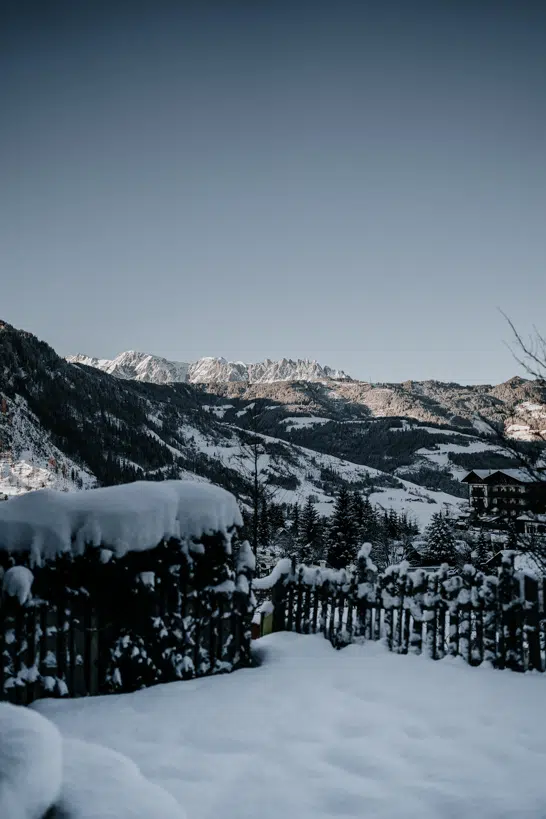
<point>302,533</point>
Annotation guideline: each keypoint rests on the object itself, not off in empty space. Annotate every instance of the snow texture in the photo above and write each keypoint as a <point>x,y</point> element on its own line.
<point>283,567</point>
<point>99,783</point>
<point>17,583</point>
<point>30,763</point>
<point>315,732</point>
<point>132,517</point>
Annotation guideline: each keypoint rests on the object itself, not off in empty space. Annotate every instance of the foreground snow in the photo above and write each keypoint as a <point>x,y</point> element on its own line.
<point>30,763</point>
<point>318,733</point>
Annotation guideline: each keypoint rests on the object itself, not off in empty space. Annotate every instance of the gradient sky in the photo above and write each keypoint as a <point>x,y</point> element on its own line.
<point>359,182</point>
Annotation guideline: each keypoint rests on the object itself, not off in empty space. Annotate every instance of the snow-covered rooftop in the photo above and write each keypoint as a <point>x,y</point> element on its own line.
<point>132,517</point>
<point>521,475</point>
<point>533,516</point>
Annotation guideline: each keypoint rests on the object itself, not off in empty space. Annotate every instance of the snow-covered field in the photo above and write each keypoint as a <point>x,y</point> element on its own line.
<point>315,732</point>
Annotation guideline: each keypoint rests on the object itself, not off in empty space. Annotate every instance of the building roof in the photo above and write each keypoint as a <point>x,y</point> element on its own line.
<point>532,516</point>
<point>520,475</point>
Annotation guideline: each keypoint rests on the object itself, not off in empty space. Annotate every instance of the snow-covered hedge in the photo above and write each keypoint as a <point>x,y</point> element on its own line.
<point>115,589</point>
<point>131,517</point>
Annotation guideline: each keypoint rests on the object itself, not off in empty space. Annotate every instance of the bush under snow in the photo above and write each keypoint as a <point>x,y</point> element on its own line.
<point>132,517</point>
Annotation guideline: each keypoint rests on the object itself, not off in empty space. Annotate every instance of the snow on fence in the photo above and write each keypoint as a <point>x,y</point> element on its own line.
<point>496,619</point>
<point>115,589</point>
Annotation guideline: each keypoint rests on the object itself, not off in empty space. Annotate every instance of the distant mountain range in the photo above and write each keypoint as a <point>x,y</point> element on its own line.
<point>335,394</point>
<point>78,423</point>
<point>153,369</point>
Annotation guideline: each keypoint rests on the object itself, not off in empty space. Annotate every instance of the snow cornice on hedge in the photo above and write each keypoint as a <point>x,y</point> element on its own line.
<point>131,517</point>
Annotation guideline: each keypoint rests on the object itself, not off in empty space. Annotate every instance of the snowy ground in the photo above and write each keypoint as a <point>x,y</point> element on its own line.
<point>318,733</point>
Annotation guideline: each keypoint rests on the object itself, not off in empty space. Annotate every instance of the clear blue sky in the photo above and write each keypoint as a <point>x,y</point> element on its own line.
<point>359,182</point>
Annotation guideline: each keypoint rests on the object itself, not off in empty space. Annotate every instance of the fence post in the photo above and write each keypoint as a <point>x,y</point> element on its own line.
<point>279,605</point>
<point>367,575</point>
<point>430,605</point>
<point>243,600</point>
<point>351,600</point>
<point>418,588</point>
<point>401,586</point>
<point>390,602</point>
<point>490,612</point>
<point>317,585</point>
<point>453,586</point>
<point>465,612</point>
<point>299,600</point>
<point>532,623</point>
<point>442,608</point>
<point>93,649</point>
<point>334,585</point>
<point>511,614</point>
<point>325,590</point>
<point>477,648</point>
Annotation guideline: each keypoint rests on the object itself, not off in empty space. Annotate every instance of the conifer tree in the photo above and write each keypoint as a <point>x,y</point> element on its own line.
<point>358,512</point>
<point>284,544</point>
<point>482,551</point>
<point>440,543</point>
<point>295,528</point>
<point>370,522</point>
<point>309,532</point>
<point>343,544</point>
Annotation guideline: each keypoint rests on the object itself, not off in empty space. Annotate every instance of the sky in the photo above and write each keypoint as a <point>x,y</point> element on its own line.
<point>362,183</point>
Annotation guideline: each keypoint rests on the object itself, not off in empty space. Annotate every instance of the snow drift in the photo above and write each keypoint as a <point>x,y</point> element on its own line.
<point>30,763</point>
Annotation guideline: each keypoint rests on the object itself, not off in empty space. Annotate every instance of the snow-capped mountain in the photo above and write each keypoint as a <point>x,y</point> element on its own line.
<point>137,367</point>
<point>146,367</point>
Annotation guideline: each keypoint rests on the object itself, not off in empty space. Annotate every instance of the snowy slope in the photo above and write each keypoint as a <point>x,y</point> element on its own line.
<point>438,456</point>
<point>314,732</point>
<point>28,458</point>
<point>278,459</point>
<point>146,367</point>
<point>528,422</point>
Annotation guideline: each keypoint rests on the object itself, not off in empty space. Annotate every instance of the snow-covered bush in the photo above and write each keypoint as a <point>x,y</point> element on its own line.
<point>131,586</point>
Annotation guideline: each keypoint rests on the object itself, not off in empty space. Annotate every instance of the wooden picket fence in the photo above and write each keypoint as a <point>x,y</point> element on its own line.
<point>497,619</point>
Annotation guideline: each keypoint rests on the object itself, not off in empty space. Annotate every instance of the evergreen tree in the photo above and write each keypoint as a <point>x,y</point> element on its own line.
<point>343,544</point>
<point>283,543</point>
<point>370,522</point>
<point>358,512</point>
<point>439,541</point>
<point>482,550</point>
<point>309,533</point>
<point>295,528</point>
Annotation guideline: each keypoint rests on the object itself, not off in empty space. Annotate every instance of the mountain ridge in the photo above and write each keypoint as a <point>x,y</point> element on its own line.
<point>133,365</point>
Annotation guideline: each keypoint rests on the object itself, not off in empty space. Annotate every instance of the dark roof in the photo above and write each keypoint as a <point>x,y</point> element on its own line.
<point>485,475</point>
